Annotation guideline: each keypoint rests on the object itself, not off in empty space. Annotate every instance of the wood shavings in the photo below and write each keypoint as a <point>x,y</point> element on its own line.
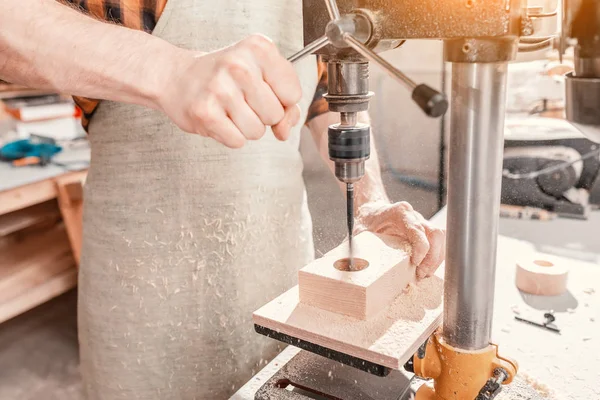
<point>539,387</point>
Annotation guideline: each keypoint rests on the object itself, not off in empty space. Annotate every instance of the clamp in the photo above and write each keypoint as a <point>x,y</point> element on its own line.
<point>460,374</point>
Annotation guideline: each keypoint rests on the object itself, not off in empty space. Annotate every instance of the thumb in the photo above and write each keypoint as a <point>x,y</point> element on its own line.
<point>290,119</point>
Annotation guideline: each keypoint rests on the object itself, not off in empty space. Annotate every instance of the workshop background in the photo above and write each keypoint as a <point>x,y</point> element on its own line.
<point>38,348</point>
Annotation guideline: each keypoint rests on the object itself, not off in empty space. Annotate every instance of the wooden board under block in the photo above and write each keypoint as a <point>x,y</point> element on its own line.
<point>380,273</point>
<point>389,339</point>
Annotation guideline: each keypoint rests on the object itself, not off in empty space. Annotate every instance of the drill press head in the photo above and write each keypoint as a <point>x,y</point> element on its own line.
<point>349,148</point>
<point>349,141</point>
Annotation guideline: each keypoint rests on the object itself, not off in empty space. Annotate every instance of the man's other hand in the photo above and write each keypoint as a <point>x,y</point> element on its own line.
<point>233,94</point>
<point>401,220</point>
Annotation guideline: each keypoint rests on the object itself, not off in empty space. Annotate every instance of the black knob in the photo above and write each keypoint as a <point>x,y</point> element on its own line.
<point>432,102</point>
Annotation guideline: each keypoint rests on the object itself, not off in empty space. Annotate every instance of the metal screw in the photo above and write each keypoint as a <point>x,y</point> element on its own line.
<point>549,317</point>
<point>526,26</point>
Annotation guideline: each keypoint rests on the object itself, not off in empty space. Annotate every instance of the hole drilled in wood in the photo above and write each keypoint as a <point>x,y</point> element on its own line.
<point>344,264</point>
<point>282,383</point>
<point>543,263</point>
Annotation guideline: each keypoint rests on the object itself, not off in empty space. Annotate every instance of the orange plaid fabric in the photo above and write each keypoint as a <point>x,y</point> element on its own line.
<point>143,15</point>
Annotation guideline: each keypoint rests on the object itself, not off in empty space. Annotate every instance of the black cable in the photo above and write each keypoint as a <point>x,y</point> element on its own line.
<point>554,168</point>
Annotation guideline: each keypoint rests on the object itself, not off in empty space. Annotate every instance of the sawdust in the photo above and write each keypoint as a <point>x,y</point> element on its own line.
<point>541,388</point>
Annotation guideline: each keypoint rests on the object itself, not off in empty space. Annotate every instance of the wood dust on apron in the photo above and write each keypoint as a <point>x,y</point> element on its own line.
<point>184,238</point>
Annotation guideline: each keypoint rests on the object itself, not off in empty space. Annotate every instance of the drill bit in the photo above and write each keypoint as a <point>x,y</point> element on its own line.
<point>350,220</point>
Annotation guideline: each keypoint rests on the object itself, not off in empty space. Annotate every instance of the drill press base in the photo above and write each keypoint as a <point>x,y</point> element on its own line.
<point>307,376</point>
<point>310,376</point>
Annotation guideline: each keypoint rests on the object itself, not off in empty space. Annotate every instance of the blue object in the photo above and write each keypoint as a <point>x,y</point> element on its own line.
<point>24,148</point>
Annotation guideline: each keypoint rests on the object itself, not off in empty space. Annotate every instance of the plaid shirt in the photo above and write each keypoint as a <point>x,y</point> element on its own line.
<point>143,15</point>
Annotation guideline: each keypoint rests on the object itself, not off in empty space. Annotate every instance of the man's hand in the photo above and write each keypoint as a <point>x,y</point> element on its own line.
<point>233,94</point>
<point>400,219</point>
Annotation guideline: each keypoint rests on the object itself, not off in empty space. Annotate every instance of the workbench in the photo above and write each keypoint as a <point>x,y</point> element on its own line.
<point>561,366</point>
<point>40,229</point>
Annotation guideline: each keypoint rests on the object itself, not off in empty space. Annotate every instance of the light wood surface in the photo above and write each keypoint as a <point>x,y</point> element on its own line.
<point>53,287</point>
<point>70,200</point>
<point>33,261</point>
<point>360,294</point>
<point>38,260</point>
<point>542,274</point>
<point>28,195</point>
<point>15,221</point>
<point>389,338</point>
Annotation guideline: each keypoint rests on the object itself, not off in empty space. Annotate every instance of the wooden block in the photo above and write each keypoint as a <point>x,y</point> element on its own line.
<point>388,338</point>
<point>382,272</point>
<point>542,275</point>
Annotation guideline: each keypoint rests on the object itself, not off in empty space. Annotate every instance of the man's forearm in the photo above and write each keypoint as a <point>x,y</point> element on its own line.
<point>45,44</point>
<point>370,188</point>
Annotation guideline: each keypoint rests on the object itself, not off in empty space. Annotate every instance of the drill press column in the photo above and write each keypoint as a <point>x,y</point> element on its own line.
<point>460,359</point>
<point>474,183</point>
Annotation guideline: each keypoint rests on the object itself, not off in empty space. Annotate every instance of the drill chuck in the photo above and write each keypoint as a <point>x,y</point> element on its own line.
<point>349,148</point>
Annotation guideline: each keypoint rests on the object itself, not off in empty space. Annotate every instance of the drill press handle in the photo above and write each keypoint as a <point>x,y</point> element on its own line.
<point>432,102</point>
<point>354,31</point>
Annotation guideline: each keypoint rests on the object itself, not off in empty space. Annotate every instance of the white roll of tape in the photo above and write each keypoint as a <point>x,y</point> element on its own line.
<point>542,275</point>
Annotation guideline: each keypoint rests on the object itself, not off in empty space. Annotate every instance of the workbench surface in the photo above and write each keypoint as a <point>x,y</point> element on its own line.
<point>569,363</point>
<point>76,159</point>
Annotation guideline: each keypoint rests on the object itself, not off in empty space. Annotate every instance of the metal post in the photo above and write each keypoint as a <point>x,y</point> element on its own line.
<point>474,183</point>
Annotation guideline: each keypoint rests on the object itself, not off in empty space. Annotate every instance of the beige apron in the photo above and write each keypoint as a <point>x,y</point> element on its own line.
<point>184,238</point>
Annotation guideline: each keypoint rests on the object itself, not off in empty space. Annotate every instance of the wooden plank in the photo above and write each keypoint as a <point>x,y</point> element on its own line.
<point>33,275</point>
<point>329,284</point>
<point>70,200</point>
<point>56,286</point>
<point>38,249</point>
<point>27,195</point>
<point>389,338</point>
<point>21,219</point>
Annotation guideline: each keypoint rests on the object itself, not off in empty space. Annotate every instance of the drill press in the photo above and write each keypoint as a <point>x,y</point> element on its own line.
<point>480,38</point>
<point>346,47</point>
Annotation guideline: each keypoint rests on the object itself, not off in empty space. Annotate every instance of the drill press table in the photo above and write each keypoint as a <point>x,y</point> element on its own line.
<point>567,363</point>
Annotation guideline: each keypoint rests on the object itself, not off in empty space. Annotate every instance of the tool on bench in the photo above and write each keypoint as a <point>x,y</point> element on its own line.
<point>480,38</point>
<point>548,322</point>
<point>28,152</point>
<point>550,165</point>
